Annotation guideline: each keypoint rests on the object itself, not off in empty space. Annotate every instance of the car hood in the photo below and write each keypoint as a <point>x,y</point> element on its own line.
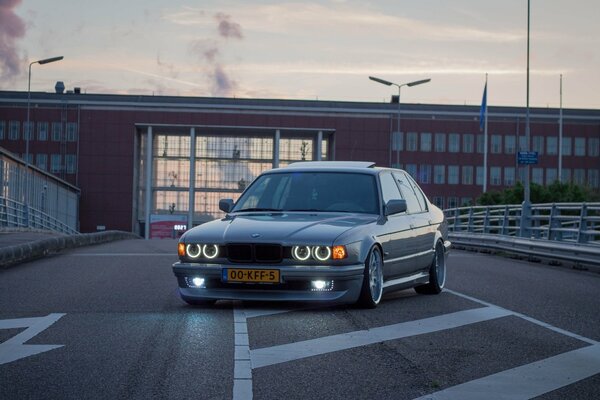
<point>285,228</point>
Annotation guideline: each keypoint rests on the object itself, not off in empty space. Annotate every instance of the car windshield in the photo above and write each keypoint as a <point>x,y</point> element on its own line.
<point>311,191</point>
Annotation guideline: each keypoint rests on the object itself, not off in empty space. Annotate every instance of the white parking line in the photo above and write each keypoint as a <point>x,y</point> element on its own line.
<point>308,348</point>
<point>530,380</point>
<point>242,370</point>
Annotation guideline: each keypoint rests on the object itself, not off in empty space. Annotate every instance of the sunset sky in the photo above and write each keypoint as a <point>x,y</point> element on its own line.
<point>308,50</point>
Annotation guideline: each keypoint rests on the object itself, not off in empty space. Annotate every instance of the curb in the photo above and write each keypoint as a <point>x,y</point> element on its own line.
<point>30,251</point>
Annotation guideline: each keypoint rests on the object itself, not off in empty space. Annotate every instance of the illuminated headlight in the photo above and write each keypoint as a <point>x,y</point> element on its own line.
<point>321,286</point>
<point>195,282</point>
<point>210,250</point>
<point>321,253</point>
<point>193,250</point>
<point>301,253</point>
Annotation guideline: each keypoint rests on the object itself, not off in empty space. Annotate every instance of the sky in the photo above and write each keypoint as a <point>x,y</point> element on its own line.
<point>323,50</point>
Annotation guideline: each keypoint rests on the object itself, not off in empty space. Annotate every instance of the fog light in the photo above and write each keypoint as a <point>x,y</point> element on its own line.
<point>195,282</point>
<point>321,286</point>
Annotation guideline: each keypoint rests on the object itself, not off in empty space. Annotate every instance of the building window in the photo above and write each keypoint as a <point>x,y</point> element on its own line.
<point>440,143</point>
<point>551,175</point>
<point>467,175</point>
<point>465,201</point>
<point>70,162</point>
<point>2,130</point>
<point>71,131</point>
<point>495,176</point>
<point>56,131</point>
<point>453,174</point>
<point>523,146</point>
<point>425,173</point>
<point>438,201</point>
<point>593,147</point>
<point>468,143</point>
<point>411,141</point>
<point>439,174</point>
<point>522,172</point>
<point>552,145</point>
<point>28,130</point>
<point>566,146</point>
<point>479,176</point>
<point>538,144</point>
<point>593,178</point>
<point>398,141</point>
<point>480,143</point>
<point>579,146</point>
<point>412,170</point>
<point>42,131</point>
<point>28,158</point>
<point>566,175</point>
<point>13,133</point>
<point>454,143</point>
<point>510,144</point>
<point>55,163</point>
<point>537,175</point>
<point>496,147</point>
<point>425,141</point>
<point>452,202</point>
<point>579,176</point>
<point>41,161</point>
<point>509,176</point>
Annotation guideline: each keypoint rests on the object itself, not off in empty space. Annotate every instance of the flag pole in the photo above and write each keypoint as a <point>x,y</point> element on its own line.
<point>485,139</point>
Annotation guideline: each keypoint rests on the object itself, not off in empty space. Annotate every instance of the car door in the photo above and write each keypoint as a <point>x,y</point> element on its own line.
<point>418,209</point>
<point>397,239</point>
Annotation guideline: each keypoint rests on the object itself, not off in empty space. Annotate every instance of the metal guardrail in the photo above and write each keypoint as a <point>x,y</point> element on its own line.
<point>16,214</point>
<point>560,231</point>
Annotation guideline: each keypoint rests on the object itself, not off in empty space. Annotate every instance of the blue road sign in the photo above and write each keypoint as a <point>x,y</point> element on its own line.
<point>528,157</point>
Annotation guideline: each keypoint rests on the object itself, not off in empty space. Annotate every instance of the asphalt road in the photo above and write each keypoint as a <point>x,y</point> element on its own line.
<point>106,322</point>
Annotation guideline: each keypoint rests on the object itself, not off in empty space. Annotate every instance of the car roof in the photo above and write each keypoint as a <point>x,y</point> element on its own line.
<point>354,166</point>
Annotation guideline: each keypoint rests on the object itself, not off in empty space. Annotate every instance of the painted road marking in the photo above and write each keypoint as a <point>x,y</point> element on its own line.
<point>13,349</point>
<point>530,380</point>
<point>242,369</point>
<point>329,344</point>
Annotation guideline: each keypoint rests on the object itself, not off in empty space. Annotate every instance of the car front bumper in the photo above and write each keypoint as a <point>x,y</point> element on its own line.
<point>295,283</point>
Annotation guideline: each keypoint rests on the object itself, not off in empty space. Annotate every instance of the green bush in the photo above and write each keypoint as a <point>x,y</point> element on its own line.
<point>554,193</point>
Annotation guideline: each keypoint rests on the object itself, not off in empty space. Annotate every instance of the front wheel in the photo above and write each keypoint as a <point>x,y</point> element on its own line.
<point>372,287</point>
<point>437,273</point>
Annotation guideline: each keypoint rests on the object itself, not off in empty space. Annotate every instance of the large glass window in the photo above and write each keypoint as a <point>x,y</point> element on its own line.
<point>593,147</point>
<point>55,165</point>
<point>41,161</point>
<point>566,175</point>
<point>468,143</point>
<point>480,143</point>
<point>537,175</point>
<point>411,141</point>
<point>440,142</point>
<point>551,175</point>
<point>28,129</point>
<point>42,131</point>
<point>56,131</point>
<point>14,128</point>
<point>593,178</point>
<point>496,147</point>
<point>467,175</point>
<point>71,163</point>
<point>495,176</point>
<point>479,176</point>
<point>411,169</point>
<point>538,144</point>
<point>425,141</point>
<point>510,144</point>
<point>425,173</point>
<point>72,132</point>
<point>2,130</point>
<point>566,146</point>
<point>454,143</point>
<point>523,146</point>
<point>579,176</point>
<point>552,145</point>
<point>398,141</point>
<point>509,176</point>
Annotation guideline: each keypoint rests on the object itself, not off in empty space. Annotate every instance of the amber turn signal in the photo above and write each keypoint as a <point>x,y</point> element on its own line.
<point>339,252</point>
<point>181,249</point>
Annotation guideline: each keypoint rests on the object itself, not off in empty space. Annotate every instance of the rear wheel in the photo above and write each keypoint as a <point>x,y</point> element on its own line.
<point>437,273</point>
<point>372,288</point>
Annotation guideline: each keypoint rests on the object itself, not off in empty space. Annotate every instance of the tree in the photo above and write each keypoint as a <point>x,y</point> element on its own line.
<point>555,193</point>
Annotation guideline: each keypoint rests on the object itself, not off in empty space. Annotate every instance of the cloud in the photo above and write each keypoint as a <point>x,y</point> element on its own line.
<point>227,28</point>
<point>12,28</point>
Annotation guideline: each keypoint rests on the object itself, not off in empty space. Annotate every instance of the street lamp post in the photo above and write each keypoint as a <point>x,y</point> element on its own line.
<point>29,131</point>
<point>399,86</point>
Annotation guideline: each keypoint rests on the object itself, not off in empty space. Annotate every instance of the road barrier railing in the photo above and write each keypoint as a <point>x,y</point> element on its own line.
<point>15,214</point>
<point>556,231</point>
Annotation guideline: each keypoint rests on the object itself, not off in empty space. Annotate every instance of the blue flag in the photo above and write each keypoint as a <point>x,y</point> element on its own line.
<point>483,107</point>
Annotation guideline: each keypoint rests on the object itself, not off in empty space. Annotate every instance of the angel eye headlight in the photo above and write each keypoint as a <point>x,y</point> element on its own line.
<point>193,250</point>
<point>301,253</point>
<point>321,253</point>
<point>210,250</point>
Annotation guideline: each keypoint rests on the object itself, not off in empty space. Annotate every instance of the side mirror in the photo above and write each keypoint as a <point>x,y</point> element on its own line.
<point>395,207</point>
<point>226,205</point>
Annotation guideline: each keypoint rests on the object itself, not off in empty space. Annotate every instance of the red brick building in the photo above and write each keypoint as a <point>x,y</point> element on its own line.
<point>100,144</point>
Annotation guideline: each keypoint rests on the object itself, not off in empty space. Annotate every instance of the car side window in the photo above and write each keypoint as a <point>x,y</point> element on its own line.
<point>389,189</point>
<point>406,187</point>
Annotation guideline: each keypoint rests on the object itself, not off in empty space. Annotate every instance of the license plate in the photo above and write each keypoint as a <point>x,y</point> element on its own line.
<point>251,275</point>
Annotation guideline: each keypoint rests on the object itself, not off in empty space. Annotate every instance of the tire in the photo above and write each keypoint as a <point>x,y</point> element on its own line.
<point>437,273</point>
<point>372,287</point>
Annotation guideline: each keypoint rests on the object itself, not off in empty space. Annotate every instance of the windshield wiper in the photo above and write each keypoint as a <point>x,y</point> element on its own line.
<point>257,209</point>
<point>305,209</point>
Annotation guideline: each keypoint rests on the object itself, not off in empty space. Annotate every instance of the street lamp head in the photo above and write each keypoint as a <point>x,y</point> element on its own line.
<point>387,83</point>
<point>49,60</point>
<point>415,83</point>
